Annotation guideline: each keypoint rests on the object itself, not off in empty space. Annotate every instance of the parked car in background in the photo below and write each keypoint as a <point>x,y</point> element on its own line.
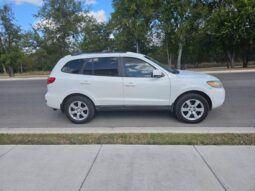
<point>80,85</point>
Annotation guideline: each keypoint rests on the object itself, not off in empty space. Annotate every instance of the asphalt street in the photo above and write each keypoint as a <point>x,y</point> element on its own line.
<point>22,105</point>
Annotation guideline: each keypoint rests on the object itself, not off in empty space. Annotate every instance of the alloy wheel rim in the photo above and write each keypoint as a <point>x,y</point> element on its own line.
<point>78,110</point>
<point>192,109</point>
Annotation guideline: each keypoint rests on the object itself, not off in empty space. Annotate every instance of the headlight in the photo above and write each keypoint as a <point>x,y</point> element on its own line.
<point>215,84</point>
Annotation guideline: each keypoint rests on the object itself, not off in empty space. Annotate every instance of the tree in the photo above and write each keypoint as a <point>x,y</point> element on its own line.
<point>131,24</point>
<point>60,22</point>
<point>10,36</point>
<point>246,22</point>
<point>232,23</point>
<point>96,37</point>
<point>163,25</point>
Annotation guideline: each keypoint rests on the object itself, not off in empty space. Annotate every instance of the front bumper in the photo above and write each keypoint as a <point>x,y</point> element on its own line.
<point>217,96</point>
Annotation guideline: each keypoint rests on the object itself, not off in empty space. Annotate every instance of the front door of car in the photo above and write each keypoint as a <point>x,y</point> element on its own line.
<point>101,79</point>
<point>140,87</point>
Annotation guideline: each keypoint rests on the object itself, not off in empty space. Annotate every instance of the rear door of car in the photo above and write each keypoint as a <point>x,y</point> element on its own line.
<point>100,78</point>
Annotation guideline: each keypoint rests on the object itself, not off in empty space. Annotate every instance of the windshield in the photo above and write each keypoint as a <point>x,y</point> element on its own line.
<point>174,71</point>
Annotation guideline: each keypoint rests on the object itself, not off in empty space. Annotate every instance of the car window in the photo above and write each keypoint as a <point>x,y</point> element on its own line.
<point>107,66</point>
<point>137,68</point>
<point>88,67</point>
<point>73,66</point>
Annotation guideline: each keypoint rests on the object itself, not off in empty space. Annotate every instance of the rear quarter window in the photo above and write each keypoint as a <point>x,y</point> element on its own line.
<point>73,66</point>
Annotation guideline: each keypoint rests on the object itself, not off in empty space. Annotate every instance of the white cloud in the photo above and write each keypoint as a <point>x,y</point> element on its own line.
<point>35,2</point>
<point>40,24</point>
<point>40,2</point>
<point>98,15</point>
<point>90,2</point>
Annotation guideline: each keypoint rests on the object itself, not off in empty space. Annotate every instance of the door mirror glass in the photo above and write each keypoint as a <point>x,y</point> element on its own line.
<point>157,74</point>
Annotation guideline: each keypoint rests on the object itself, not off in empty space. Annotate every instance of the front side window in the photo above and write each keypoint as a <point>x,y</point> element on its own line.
<point>135,67</point>
<point>107,66</point>
<point>73,67</point>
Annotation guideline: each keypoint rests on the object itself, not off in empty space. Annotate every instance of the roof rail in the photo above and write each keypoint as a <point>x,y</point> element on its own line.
<point>104,51</point>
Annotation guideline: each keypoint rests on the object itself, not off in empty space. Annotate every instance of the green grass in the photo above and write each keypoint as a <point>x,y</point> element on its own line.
<point>130,138</point>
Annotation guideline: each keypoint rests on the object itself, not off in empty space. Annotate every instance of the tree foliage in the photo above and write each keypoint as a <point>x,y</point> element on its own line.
<point>10,49</point>
<point>177,32</point>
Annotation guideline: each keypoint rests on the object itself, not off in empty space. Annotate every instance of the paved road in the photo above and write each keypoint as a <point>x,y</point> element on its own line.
<point>127,167</point>
<point>22,105</point>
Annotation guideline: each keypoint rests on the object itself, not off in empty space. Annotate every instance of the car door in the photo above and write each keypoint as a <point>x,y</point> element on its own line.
<point>101,79</point>
<point>140,88</point>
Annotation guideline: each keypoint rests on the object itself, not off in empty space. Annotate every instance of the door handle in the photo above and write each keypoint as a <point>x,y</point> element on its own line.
<point>85,83</point>
<point>130,84</point>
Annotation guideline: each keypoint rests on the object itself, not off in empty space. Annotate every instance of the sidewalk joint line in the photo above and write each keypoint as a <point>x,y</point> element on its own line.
<point>210,168</point>
<point>86,176</point>
<point>2,155</point>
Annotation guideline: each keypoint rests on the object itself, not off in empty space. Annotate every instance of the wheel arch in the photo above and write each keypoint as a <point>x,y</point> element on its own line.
<point>62,106</point>
<point>208,99</point>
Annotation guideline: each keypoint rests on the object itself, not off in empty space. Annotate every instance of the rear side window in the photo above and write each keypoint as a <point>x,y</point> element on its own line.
<point>73,67</point>
<point>88,67</point>
<point>105,66</point>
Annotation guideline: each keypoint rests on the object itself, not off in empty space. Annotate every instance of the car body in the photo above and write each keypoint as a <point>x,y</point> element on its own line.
<point>128,81</point>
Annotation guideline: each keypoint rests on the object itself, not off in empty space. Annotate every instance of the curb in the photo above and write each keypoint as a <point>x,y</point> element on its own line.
<point>112,130</point>
<point>227,71</point>
<point>23,79</point>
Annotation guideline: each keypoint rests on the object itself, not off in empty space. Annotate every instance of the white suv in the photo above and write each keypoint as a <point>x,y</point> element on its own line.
<point>82,84</point>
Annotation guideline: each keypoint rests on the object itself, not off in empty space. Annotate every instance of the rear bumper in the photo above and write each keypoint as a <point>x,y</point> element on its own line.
<point>53,101</point>
<point>217,96</point>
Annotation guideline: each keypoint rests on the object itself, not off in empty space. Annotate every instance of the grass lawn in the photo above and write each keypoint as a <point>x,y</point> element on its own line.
<point>130,138</point>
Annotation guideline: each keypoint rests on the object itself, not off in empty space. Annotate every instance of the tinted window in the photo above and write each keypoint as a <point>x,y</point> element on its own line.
<point>88,67</point>
<point>73,66</point>
<point>105,66</point>
<point>137,68</point>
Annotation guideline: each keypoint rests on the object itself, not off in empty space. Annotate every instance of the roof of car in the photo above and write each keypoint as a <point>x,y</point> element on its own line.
<point>104,54</point>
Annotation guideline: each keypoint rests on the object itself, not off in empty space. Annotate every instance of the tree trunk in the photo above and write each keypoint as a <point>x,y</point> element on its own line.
<point>4,69</point>
<point>245,63</point>
<point>10,71</point>
<point>169,57</point>
<point>246,56</point>
<point>179,60</point>
<point>137,47</point>
<point>231,57</point>
<point>21,68</point>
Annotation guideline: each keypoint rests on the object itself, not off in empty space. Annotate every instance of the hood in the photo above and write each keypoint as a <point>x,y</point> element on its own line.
<point>191,74</point>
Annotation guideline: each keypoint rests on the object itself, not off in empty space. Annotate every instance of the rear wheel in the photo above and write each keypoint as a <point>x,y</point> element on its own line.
<point>191,108</point>
<point>79,109</point>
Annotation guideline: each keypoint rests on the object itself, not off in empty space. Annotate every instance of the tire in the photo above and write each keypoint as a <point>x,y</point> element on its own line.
<point>191,108</point>
<point>79,109</point>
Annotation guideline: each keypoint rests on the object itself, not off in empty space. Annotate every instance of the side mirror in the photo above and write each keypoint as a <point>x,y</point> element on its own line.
<point>157,74</point>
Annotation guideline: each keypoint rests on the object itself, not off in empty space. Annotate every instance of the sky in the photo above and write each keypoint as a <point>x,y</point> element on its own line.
<point>25,9</point>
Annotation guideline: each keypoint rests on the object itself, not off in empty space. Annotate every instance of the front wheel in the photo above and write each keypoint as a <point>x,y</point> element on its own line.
<point>79,109</point>
<point>191,108</point>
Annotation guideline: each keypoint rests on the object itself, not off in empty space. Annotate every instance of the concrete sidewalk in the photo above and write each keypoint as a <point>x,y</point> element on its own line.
<point>126,167</point>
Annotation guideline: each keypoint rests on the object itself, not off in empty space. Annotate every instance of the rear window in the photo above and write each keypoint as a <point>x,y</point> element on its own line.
<point>73,67</point>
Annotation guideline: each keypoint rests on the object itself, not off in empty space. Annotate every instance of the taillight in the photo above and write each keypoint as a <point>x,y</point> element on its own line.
<point>51,80</point>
